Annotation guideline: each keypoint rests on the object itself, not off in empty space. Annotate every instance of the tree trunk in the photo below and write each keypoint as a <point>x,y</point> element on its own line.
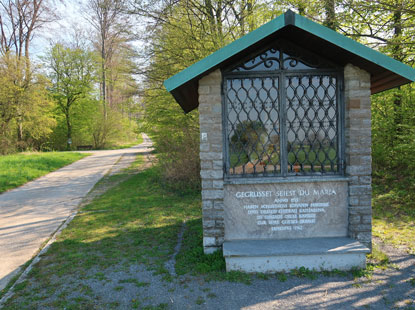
<point>250,9</point>
<point>19,131</point>
<point>301,9</point>
<point>104,75</point>
<point>69,130</point>
<point>330,8</point>
<point>397,54</point>
<point>19,121</point>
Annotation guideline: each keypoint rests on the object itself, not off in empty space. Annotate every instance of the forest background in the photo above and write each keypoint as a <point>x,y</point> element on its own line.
<point>106,85</point>
<point>81,90</point>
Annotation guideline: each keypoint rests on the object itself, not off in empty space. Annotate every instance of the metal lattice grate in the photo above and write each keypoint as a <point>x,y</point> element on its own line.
<point>253,125</point>
<point>282,116</point>
<point>311,124</point>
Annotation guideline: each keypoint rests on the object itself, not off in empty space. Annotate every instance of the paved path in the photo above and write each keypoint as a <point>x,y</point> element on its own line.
<point>30,214</point>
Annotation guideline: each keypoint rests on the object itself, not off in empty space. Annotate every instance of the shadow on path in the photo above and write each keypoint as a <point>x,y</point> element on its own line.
<point>30,214</point>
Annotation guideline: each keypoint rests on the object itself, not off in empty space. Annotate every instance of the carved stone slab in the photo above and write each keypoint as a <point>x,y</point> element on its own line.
<point>286,210</point>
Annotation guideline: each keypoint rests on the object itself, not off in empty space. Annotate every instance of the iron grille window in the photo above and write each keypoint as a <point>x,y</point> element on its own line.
<point>283,115</point>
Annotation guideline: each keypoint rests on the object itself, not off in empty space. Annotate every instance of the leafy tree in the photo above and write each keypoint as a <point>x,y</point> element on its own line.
<point>180,34</point>
<point>389,26</point>
<point>19,20</point>
<point>116,68</point>
<point>72,77</point>
<point>37,122</point>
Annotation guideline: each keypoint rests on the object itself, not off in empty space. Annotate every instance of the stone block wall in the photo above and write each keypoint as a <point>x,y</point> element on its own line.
<point>211,160</point>
<point>358,156</point>
<point>358,153</point>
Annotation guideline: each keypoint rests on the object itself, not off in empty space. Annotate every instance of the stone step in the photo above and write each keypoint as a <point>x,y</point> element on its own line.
<point>283,255</point>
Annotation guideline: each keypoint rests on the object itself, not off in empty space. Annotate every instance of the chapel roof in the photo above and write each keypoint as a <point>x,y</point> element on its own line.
<point>386,72</point>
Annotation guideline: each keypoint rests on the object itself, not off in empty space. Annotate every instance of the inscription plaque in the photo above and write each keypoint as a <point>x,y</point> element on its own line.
<point>286,211</point>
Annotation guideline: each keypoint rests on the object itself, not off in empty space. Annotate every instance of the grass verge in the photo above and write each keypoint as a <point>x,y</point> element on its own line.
<point>394,211</point>
<point>125,144</point>
<point>18,169</point>
<point>192,260</point>
<point>136,222</point>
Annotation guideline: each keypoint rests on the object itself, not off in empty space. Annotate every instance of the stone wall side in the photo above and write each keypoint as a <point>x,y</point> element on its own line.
<point>358,153</point>
<point>211,160</point>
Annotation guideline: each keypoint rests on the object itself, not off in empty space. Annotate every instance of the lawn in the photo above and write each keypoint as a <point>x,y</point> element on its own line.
<point>136,222</point>
<point>125,144</point>
<point>18,169</point>
<point>394,211</point>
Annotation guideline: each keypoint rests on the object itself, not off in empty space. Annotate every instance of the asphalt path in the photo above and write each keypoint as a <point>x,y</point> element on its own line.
<point>30,214</point>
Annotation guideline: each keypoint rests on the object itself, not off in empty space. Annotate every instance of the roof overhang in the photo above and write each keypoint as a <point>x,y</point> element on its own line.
<point>386,72</point>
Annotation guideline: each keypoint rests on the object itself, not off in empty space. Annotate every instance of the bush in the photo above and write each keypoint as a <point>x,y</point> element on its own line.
<point>393,132</point>
<point>179,159</point>
<point>176,140</point>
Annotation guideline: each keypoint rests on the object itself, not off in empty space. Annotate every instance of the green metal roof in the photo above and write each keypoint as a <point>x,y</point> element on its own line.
<point>385,72</point>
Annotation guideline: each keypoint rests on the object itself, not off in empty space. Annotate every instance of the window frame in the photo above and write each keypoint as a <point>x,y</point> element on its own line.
<point>281,75</point>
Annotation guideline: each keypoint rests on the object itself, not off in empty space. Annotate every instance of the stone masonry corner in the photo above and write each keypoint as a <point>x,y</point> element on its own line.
<point>358,153</point>
<point>211,160</point>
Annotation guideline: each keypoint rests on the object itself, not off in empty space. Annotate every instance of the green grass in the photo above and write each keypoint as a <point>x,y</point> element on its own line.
<point>136,222</point>
<point>18,169</point>
<point>125,144</point>
<point>192,260</point>
<point>303,272</point>
<point>15,278</point>
<point>394,211</point>
<point>375,260</point>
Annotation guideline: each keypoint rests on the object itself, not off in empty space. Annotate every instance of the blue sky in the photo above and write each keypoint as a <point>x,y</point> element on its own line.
<point>69,13</point>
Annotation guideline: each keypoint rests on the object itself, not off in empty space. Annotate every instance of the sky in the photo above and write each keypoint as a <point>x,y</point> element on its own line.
<point>71,20</point>
<point>69,13</point>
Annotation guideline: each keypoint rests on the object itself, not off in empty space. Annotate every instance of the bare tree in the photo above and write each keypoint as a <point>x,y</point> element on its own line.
<point>109,20</point>
<point>19,20</point>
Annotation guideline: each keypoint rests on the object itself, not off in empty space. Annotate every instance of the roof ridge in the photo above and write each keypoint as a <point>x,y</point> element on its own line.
<point>373,60</point>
